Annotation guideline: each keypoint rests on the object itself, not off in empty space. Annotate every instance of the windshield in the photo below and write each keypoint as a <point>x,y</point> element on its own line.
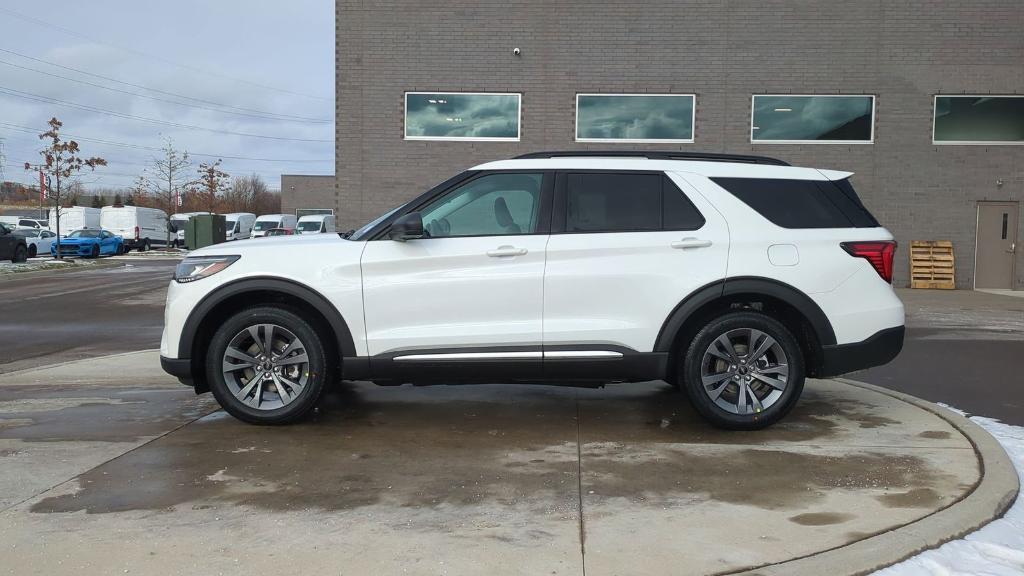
<point>266,224</point>
<point>84,234</point>
<point>308,226</point>
<point>178,224</point>
<point>358,234</point>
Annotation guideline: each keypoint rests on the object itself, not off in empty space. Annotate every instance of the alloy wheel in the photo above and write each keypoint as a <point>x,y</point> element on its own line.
<point>265,366</point>
<point>744,371</point>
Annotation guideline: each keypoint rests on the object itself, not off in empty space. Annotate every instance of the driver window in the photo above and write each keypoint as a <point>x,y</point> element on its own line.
<point>492,205</point>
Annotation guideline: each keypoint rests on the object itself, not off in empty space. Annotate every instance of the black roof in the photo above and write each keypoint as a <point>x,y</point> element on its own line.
<point>658,155</point>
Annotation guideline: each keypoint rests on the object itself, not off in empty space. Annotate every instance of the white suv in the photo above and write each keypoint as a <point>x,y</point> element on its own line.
<point>731,277</point>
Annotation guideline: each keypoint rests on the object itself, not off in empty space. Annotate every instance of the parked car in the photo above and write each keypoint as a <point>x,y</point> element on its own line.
<point>178,222</point>
<point>12,246</point>
<point>38,240</point>
<point>271,221</point>
<point>141,228</point>
<point>280,232</point>
<point>90,244</point>
<point>730,277</point>
<point>32,223</point>
<point>238,225</point>
<point>315,224</point>
<point>74,218</point>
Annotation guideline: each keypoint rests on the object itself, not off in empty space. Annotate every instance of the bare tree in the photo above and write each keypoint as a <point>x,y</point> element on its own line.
<point>170,178</point>
<point>213,183</point>
<point>61,163</point>
<point>247,194</point>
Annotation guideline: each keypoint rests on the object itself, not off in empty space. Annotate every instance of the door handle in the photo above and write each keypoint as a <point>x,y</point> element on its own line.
<point>687,243</point>
<point>506,251</point>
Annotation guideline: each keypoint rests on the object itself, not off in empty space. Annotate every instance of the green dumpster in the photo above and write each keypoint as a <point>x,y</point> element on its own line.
<point>204,230</point>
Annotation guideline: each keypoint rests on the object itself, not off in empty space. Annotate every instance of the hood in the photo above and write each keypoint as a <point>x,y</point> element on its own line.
<point>69,241</point>
<point>302,245</point>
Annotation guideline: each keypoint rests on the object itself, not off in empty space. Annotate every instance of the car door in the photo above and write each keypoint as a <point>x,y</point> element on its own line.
<point>7,243</point>
<point>469,291</point>
<point>626,248</point>
<point>107,243</point>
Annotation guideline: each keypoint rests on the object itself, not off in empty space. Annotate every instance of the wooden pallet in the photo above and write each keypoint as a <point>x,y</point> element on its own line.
<point>931,264</point>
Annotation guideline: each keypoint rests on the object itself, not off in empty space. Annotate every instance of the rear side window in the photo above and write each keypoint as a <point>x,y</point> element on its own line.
<point>637,202</point>
<point>802,203</point>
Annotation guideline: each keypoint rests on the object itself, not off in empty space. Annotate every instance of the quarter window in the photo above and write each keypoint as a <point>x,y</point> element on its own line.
<point>492,205</point>
<point>802,203</point>
<point>784,119</point>
<point>634,117</point>
<point>609,202</point>
<point>462,116</point>
<point>978,120</point>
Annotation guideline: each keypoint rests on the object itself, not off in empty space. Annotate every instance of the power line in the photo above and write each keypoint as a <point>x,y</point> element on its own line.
<point>48,100</point>
<point>31,130</point>
<point>155,57</point>
<point>264,116</point>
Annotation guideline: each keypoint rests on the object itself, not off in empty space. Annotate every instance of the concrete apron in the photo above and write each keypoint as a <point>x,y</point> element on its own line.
<point>462,480</point>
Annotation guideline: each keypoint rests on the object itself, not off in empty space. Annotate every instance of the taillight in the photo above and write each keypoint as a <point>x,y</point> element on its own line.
<point>880,255</point>
<point>136,232</point>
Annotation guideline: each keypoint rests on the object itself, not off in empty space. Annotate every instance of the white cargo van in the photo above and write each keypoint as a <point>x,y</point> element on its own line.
<point>141,228</point>
<point>178,222</point>
<point>238,225</point>
<point>315,224</point>
<point>74,218</point>
<point>271,221</point>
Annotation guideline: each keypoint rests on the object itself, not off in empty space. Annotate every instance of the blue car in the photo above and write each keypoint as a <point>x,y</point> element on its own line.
<point>89,243</point>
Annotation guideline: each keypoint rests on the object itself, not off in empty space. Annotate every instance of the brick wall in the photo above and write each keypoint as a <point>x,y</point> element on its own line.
<point>303,191</point>
<point>723,51</point>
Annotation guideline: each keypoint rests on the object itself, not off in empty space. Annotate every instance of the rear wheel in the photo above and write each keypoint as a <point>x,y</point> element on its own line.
<point>743,371</point>
<point>267,365</point>
<point>20,255</point>
<point>120,250</point>
<point>145,246</point>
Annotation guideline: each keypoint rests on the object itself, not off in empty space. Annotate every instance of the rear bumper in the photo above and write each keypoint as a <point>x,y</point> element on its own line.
<point>878,349</point>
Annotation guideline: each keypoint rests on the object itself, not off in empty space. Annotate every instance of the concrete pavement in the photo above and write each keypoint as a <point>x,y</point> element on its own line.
<point>107,465</point>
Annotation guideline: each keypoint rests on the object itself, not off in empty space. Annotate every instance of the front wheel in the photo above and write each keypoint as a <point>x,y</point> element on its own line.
<point>743,371</point>
<point>20,255</point>
<point>95,251</point>
<point>32,250</point>
<point>267,365</point>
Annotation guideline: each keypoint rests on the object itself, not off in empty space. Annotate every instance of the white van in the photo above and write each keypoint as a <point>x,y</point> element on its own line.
<point>238,225</point>
<point>315,224</point>
<point>141,228</point>
<point>74,218</point>
<point>178,222</point>
<point>271,221</point>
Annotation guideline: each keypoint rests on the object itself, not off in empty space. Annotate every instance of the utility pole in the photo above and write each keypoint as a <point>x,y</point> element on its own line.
<point>3,161</point>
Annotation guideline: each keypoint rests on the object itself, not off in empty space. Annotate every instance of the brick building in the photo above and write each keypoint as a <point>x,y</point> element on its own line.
<point>427,89</point>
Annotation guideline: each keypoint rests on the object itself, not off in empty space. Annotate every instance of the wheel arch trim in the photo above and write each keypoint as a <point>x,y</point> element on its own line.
<point>744,285</point>
<point>342,334</point>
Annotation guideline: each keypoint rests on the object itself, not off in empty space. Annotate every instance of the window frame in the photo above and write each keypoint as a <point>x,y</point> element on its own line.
<point>560,210</point>
<point>693,122</point>
<point>935,109</point>
<point>405,118</point>
<point>871,140</point>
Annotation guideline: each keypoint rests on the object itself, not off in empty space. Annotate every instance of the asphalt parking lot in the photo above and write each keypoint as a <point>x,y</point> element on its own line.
<point>107,465</point>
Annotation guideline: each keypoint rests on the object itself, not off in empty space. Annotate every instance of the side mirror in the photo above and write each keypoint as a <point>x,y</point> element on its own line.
<point>407,227</point>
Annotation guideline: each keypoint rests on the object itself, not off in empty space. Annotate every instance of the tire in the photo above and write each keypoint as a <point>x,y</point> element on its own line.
<point>20,255</point>
<point>145,246</point>
<point>780,365</point>
<point>236,388</point>
<point>120,250</point>
<point>32,250</point>
<point>95,251</point>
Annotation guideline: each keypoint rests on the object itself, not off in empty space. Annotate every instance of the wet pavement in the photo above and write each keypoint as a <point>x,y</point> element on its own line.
<point>113,467</point>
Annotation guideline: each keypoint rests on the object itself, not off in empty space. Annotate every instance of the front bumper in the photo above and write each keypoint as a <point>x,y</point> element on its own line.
<point>878,349</point>
<point>71,249</point>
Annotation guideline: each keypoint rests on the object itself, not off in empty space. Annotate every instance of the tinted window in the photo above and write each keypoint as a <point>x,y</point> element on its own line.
<point>812,118</point>
<point>492,205</point>
<point>979,119</point>
<point>801,203</point>
<point>635,117</point>
<point>456,116</point>
<point>610,202</point>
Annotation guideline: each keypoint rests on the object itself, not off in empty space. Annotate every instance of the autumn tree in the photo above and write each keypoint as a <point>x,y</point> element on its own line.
<point>212,184</point>
<point>169,179</point>
<point>61,163</point>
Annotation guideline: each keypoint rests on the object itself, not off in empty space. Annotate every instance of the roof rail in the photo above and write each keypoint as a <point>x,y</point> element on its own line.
<point>657,155</point>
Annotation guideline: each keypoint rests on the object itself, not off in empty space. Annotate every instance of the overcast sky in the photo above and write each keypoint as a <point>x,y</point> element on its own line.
<point>270,61</point>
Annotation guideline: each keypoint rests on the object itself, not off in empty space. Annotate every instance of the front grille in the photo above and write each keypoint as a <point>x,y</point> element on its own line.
<point>65,249</point>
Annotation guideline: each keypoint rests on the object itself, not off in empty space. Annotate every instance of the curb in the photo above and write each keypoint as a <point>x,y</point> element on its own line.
<point>994,493</point>
<point>106,263</point>
<point>69,362</point>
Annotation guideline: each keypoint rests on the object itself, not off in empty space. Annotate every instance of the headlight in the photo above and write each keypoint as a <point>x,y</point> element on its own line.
<point>192,269</point>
